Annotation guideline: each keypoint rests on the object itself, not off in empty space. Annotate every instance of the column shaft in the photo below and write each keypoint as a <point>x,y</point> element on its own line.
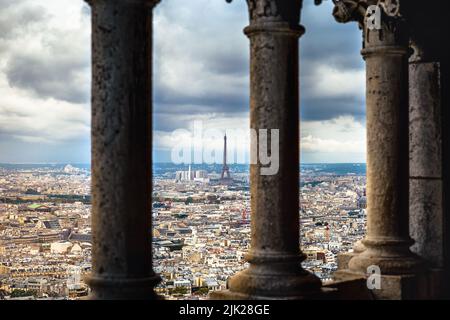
<point>274,106</point>
<point>121,149</point>
<point>275,270</point>
<point>387,145</point>
<point>426,195</point>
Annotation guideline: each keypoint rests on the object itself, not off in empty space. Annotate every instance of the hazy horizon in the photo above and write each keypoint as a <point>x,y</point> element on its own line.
<point>232,164</point>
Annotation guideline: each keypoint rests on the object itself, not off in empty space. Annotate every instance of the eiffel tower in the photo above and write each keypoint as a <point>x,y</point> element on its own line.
<point>226,176</point>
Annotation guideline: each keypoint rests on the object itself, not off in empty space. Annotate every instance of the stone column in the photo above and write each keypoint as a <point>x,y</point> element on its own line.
<point>428,140</point>
<point>386,52</point>
<point>275,258</point>
<point>445,97</point>
<point>426,211</point>
<point>427,218</point>
<point>121,149</point>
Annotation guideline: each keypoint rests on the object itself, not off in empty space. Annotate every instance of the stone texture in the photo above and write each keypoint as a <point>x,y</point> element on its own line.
<point>427,220</point>
<point>121,150</point>
<point>350,286</point>
<point>343,259</point>
<point>425,121</point>
<point>388,239</point>
<point>436,284</point>
<point>402,287</point>
<point>426,187</point>
<point>386,52</point>
<point>404,276</point>
<point>421,286</point>
<point>429,138</point>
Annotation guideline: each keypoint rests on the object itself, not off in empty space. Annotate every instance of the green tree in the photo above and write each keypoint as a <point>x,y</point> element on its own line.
<point>179,291</point>
<point>203,291</point>
<point>19,293</point>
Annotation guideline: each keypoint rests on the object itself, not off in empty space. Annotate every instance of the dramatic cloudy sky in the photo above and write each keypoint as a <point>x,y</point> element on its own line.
<point>201,74</point>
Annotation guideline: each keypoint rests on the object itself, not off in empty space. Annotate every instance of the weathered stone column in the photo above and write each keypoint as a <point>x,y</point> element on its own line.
<point>121,149</point>
<point>275,270</point>
<point>387,243</point>
<point>427,217</point>
<point>386,52</point>
<point>426,208</point>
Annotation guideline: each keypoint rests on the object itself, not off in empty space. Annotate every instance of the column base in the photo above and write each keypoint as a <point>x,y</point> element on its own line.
<point>123,289</point>
<point>273,282</point>
<point>393,257</point>
<point>350,286</point>
<point>344,258</point>
<point>322,294</point>
<point>423,286</point>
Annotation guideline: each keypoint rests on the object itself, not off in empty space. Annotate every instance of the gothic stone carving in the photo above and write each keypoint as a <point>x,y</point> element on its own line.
<point>356,10</point>
<point>150,3</point>
<point>381,20</point>
<point>266,11</point>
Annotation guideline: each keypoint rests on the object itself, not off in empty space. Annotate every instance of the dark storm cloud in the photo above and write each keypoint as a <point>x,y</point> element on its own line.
<point>171,102</point>
<point>170,121</point>
<point>331,108</point>
<point>48,78</point>
<point>339,51</point>
<point>228,62</point>
<point>201,59</point>
<point>327,41</point>
<point>54,63</point>
<point>222,49</point>
<point>338,46</point>
<point>201,69</point>
<point>44,78</point>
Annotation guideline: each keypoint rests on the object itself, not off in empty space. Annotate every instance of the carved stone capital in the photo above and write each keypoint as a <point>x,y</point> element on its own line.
<point>262,11</point>
<point>385,26</point>
<point>150,3</point>
<point>360,10</point>
<point>383,21</point>
<point>427,20</point>
<point>425,46</point>
<point>351,10</point>
<point>274,11</point>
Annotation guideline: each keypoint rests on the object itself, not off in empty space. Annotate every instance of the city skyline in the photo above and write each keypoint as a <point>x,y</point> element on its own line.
<point>45,79</point>
<point>201,224</point>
